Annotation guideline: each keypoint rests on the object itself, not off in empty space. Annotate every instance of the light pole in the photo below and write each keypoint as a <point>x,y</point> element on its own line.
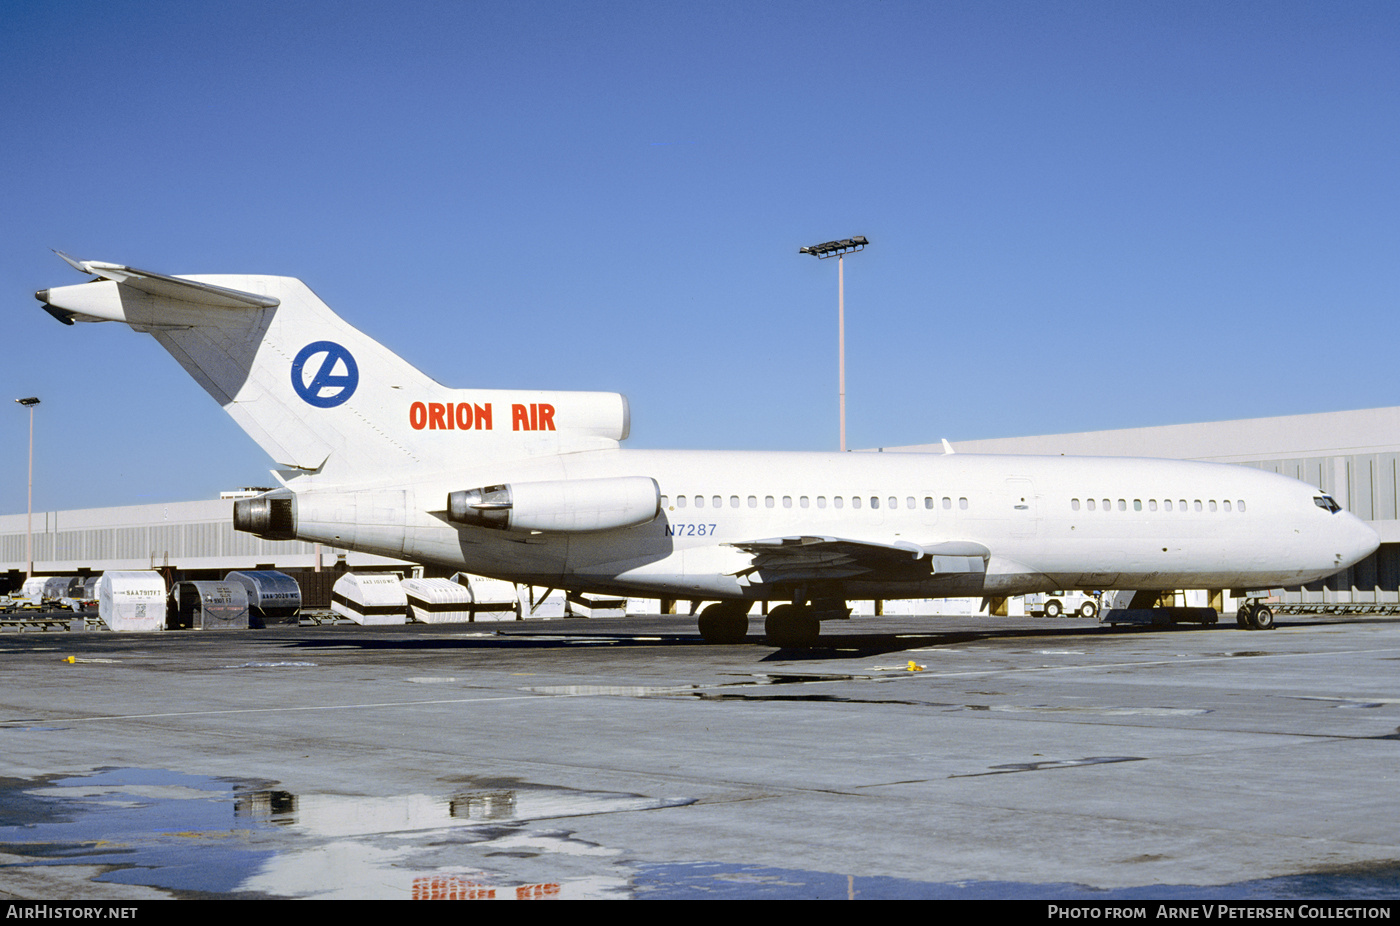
<point>29,403</point>
<point>839,250</point>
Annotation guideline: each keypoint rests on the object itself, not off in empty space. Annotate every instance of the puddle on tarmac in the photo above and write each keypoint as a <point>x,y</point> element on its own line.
<point>1050,764</point>
<point>711,881</point>
<point>1349,702</point>
<point>1092,709</point>
<point>721,692</point>
<point>199,836</point>
<point>625,691</point>
<point>196,835</point>
<point>140,822</point>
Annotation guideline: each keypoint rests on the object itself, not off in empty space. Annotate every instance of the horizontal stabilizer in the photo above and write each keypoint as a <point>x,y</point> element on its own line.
<point>158,284</point>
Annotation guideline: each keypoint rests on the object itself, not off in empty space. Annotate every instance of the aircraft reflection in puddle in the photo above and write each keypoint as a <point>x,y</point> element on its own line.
<point>193,834</point>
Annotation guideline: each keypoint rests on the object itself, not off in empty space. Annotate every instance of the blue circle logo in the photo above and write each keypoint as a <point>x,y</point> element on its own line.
<point>335,378</point>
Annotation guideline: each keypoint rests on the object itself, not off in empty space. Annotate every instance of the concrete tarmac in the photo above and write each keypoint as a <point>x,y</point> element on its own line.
<point>905,757</point>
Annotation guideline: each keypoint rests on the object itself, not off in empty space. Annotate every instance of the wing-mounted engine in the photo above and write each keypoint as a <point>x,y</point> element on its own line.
<point>569,505</point>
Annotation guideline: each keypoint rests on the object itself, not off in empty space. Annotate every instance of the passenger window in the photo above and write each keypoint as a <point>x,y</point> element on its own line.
<point>753,501</point>
<point>855,501</point>
<point>787,501</point>
<point>1137,504</point>
<point>768,501</point>
<point>1182,502</point>
<point>1122,504</point>
<point>1091,504</point>
<point>1198,504</point>
<point>1074,504</point>
<point>928,501</point>
<point>699,501</point>
<point>821,501</point>
<point>962,503</point>
<point>1239,503</point>
<point>804,502</point>
<point>909,502</point>
<point>947,502</point>
<point>1167,505</point>
<point>733,501</point>
<point>1226,503</point>
<point>664,502</point>
<point>1152,504</point>
<point>1212,504</point>
<point>838,501</point>
<point>717,502</point>
<point>680,501</point>
<point>1108,504</point>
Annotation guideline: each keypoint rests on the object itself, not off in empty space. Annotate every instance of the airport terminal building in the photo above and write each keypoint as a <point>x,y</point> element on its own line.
<point>193,540</point>
<point>1351,455</point>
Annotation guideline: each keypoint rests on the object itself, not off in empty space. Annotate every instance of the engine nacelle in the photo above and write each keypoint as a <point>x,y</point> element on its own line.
<point>271,517</point>
<point>565,505</point>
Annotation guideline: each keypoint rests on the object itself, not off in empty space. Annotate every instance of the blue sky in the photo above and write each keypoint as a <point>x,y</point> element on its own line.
<point>1082,215</point>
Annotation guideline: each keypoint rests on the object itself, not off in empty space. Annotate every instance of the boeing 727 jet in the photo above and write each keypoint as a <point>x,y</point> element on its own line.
<point>535,487</point>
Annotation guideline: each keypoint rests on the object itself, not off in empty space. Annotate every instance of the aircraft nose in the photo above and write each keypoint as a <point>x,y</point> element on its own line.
<point>1357,540</point>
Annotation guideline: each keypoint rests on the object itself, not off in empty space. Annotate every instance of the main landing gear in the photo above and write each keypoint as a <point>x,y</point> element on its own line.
<point>1255,615</point>
<point>785,625</point>
<point>726,622</point>
<point>800,623</point>
<point>792,625</point>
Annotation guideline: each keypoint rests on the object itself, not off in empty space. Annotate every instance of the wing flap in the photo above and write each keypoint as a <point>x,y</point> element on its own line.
<point>813,558</point>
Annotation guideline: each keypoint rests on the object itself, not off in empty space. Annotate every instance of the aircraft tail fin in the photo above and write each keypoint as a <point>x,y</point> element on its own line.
<point>316,393</point>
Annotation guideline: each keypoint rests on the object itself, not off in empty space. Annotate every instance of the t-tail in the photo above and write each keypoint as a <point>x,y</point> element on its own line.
<point>318,395</point>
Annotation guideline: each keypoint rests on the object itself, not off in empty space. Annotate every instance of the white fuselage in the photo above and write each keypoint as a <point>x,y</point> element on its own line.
<point>533,487</point>
<point>1049,522</point>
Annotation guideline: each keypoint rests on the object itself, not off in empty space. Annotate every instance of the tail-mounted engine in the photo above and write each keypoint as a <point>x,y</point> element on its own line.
<point>565,505</point>
<point>271,517</point>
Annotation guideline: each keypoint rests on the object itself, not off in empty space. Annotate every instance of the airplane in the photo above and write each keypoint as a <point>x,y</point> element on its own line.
<point>534,487</point>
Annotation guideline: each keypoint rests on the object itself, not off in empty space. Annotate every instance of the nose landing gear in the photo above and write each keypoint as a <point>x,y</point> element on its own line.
<point>1255,615</point>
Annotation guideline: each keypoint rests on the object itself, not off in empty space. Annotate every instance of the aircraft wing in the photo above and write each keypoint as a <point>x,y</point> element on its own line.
<point>807,558</point>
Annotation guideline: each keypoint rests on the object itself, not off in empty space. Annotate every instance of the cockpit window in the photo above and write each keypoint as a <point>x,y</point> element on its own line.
<point>1326,501</point>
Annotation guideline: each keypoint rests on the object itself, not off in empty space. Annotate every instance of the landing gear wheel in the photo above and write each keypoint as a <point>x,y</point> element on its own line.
<point>1261,617</point>
<point>1242,616</point>
<point>1053,608</point>
<point>1088,609</point>
<point>790,625</point>
<point>727,622</point>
